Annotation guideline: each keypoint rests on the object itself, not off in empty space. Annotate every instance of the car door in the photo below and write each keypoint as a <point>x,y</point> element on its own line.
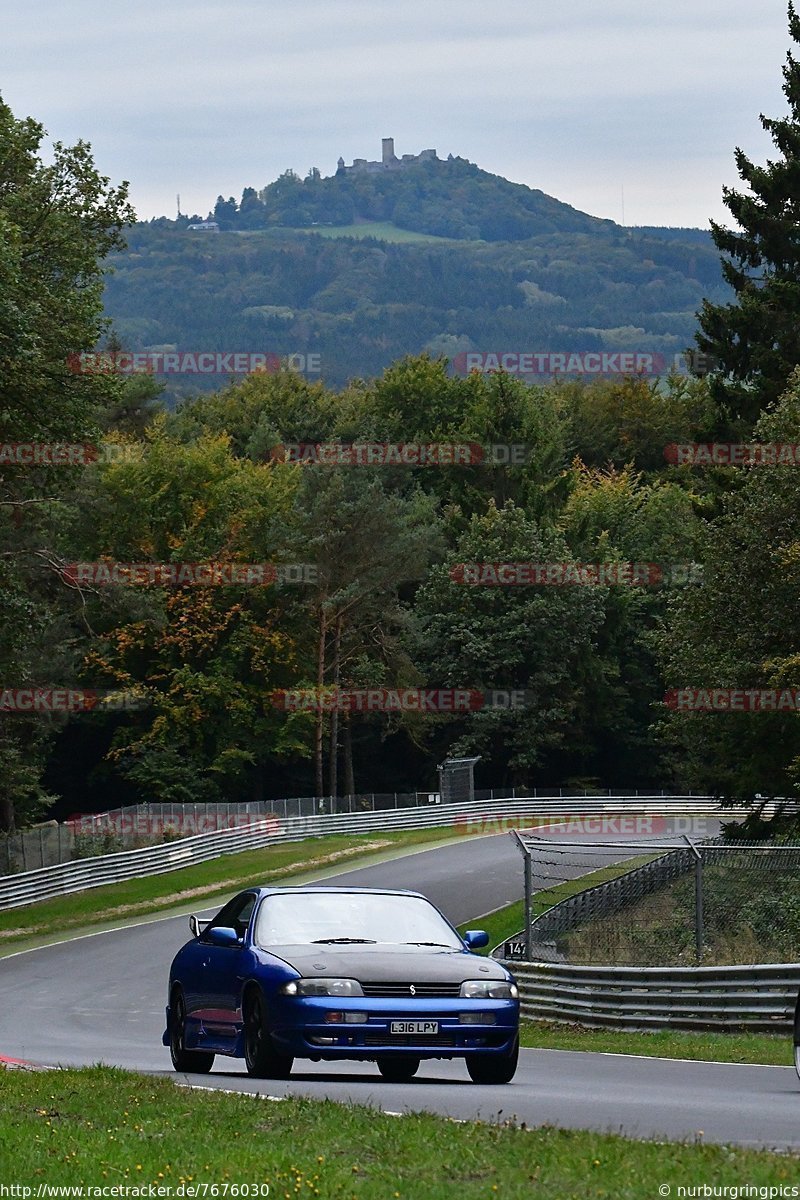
<point>222,969</point>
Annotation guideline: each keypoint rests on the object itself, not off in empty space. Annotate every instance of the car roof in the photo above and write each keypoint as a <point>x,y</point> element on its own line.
<point>277,891</point>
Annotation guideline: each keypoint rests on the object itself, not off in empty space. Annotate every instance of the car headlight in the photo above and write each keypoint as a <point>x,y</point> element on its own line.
<point>323,987</point>
<point>489,989</point>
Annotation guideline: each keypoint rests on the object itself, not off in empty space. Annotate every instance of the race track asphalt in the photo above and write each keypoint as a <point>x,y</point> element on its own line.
<point>100,998</point>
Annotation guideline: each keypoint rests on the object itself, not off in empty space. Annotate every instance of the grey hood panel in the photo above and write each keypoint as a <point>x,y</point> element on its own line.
<point>384,963</point>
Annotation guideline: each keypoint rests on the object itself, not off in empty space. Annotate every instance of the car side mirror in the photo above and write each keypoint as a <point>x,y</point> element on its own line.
<point>474,939</point>
<point>221,935</point>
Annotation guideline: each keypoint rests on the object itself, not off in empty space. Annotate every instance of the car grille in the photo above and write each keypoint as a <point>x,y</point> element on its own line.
<point>421,991</point>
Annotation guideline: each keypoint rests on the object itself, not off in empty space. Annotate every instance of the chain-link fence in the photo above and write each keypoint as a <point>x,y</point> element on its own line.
<point>648,904</point>
<point>90,834</point>
<point>138,825</point>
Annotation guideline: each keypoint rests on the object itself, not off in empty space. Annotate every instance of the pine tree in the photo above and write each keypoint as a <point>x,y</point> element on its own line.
<point>754,342</point>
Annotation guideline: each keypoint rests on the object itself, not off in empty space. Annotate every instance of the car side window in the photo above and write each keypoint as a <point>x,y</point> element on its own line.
<point>235,915</point>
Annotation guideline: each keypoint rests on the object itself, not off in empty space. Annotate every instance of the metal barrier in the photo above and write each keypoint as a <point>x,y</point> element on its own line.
<point>50,843</point>
<point>481,817</point>
<point>759,997</point>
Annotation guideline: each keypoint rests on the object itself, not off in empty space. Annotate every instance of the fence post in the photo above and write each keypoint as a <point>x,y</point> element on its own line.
<point>699,930</point>
<point>700,934</point>
<point>528,906</point>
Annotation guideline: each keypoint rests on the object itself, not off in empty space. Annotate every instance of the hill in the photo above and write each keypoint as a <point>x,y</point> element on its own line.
<point>440,256</point>
<point>451,199</point>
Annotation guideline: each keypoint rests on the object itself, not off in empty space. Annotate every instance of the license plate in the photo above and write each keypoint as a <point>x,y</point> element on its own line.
<point>421,1027</point>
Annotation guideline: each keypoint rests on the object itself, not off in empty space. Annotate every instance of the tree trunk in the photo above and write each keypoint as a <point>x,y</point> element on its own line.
<point>349,779</point>
<point>320,726</point>
<point>7,824</point>
<point>333,759</point>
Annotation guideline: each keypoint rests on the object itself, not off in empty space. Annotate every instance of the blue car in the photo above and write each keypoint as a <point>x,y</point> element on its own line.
<point>339,973</point>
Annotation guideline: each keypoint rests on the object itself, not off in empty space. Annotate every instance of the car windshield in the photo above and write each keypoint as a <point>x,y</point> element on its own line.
<point>300,918</point>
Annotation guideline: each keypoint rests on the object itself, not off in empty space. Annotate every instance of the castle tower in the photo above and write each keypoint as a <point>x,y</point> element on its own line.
<point>388,151</point>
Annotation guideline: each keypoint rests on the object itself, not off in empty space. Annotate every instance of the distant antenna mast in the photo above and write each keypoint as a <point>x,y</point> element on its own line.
<point>179,207</point>
<point>623,205</point>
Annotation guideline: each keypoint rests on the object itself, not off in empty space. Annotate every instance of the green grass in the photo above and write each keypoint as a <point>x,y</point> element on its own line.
<point>751,912</point>
<point>384,230</point>
<point>198,886</point>
<point>773,1049</point>
<point>504,923</point>
<point>769,1049</point>
<point>507,922</point>
<point>102,1126</point>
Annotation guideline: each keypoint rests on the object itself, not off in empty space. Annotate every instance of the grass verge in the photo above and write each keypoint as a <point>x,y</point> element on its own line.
<point>767,1049</point>
<point>102,1126</point>
<point>194,886</point>
<point>507,922</point>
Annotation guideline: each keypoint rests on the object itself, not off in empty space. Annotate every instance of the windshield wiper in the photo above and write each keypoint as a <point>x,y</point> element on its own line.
<point>444,945</point>
<point>343,941</point>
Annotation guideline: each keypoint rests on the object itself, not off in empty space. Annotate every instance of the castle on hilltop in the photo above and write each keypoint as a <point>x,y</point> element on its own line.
<point>388,162</point>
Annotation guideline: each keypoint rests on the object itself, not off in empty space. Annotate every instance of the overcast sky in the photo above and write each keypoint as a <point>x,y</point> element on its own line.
<point>588,100</point>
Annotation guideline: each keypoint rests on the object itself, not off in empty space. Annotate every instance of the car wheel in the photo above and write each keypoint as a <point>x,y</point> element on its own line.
<point>398,1068</point>
<point>797,1035</point>
<point>260,1056</point>
<point>493,1068</point>
<point>196,1062</point>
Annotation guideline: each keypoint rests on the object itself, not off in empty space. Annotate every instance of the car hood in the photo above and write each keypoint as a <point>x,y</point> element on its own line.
<point>388,963</point>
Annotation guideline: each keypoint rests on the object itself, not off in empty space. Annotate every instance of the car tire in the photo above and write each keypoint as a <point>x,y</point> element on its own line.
<point>194,1062</point>
<point>797,1035</point>
<point>493,1068</point>
<point>398,1068</point>
<point>261,1058</point>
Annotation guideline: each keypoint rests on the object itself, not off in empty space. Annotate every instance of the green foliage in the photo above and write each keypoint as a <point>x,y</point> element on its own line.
<point>537,640</point>
<point>756,339</point>
<point>58,219</point>
<point>741,630</point>
<point>362,304</point>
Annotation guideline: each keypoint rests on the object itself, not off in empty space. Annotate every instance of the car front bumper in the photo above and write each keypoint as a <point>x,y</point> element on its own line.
<point>318,1027</point>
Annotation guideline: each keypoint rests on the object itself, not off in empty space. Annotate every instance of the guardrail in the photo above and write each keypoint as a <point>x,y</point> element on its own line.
<point>479,817</point>
<point>751,997</point>
<point>51,843</point>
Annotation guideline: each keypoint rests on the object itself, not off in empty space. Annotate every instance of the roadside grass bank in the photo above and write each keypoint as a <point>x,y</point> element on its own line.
<point>507,922</point>
<point>750,908</point>
<point>102,1126</point>
<point>765,1049</point>
<point>197,886</point>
